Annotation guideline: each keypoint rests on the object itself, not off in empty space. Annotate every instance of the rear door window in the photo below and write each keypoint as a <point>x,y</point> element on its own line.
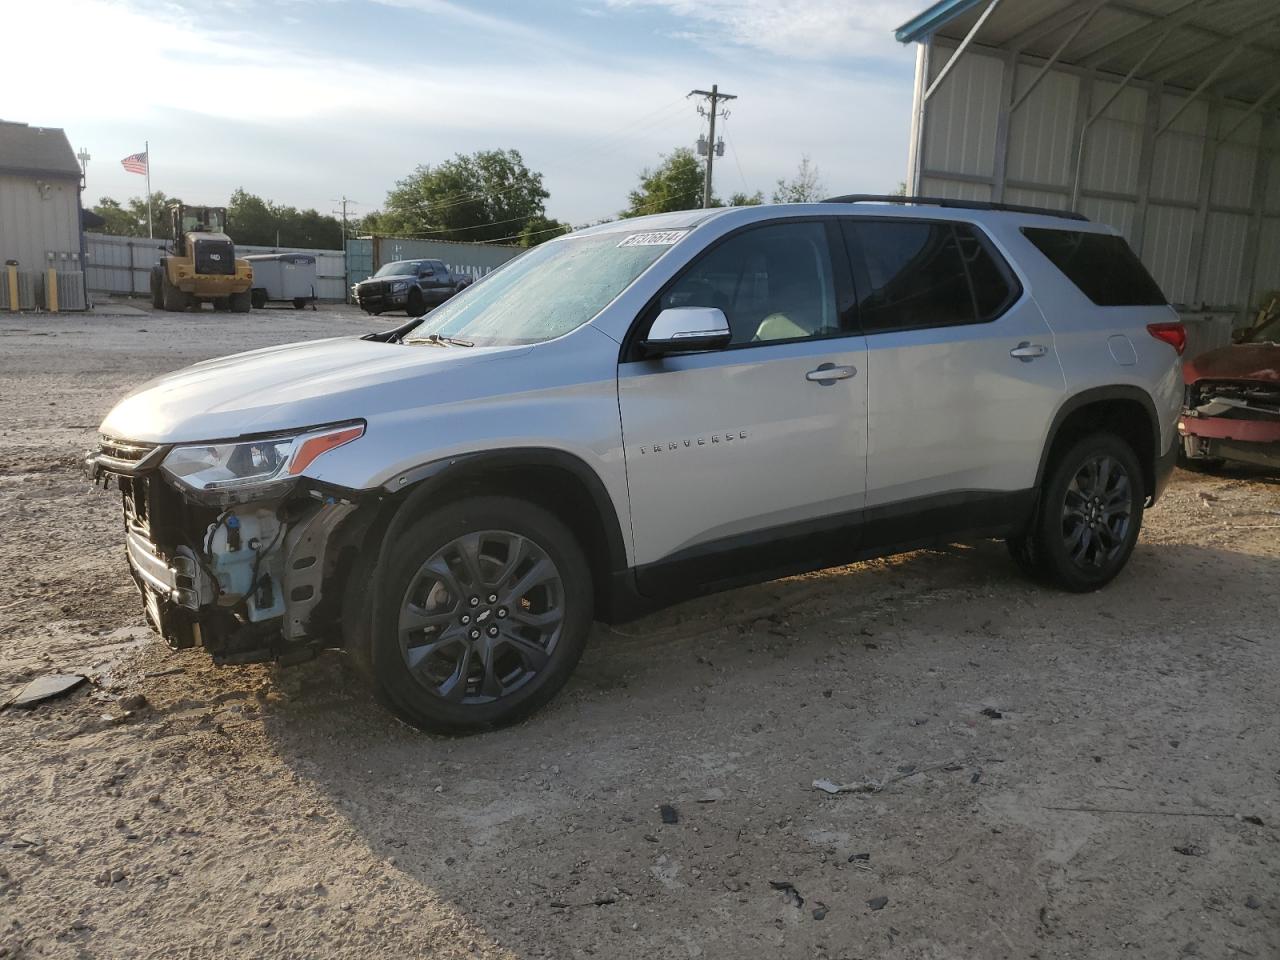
<point>1101,265</point>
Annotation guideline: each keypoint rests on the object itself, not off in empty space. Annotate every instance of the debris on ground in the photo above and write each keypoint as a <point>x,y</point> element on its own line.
<point>1252,902</point>
<point>789,893</point>
<point>46,688</point>
<point>133,703</point>
<point>1190,850</point>
<point>853,857</point>
<point>829,786</point>
<point>669,813</point>
<point>878,903</point>
<point>820,911</point>
<point>1256,821</point>
<point>993,713</point>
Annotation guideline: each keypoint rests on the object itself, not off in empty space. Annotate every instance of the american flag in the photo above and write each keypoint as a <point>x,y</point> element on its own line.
<point>135,163</point>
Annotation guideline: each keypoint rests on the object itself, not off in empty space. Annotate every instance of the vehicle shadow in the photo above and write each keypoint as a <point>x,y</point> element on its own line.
<point>551,837</point>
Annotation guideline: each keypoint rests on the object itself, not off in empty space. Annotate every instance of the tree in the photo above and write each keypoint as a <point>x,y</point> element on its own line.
<point>541,229</point>
<point>256,221</point>
<point>901,191</point>
<point>805,187</point>
<point>130,219</point>
<point>489,195</point>
<point>746,199</point>
<point>675,184</point>
<point>119,222</point>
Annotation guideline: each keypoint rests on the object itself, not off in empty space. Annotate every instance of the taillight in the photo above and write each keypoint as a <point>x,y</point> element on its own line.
<point>1174,334</point>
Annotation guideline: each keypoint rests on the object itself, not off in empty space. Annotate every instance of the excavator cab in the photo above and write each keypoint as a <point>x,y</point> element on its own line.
<point>201,265</point>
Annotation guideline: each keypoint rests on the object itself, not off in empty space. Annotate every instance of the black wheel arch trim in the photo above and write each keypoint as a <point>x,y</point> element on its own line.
<point>1097,395</point>
<point>426,479</point>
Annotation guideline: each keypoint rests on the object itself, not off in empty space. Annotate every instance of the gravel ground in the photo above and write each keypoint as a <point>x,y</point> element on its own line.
<point>1059,776</point>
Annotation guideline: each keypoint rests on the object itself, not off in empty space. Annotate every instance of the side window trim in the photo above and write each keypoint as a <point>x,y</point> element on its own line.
<point>862,279</point>
<point>842,285</point>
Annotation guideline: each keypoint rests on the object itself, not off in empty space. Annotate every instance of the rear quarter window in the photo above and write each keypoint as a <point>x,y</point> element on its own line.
<point>1101,265</point>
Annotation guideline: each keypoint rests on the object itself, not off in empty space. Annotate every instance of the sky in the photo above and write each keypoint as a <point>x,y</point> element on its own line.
<point>305,101</point>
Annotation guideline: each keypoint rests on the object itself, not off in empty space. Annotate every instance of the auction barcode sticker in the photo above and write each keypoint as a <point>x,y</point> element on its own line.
<point>663,238</point>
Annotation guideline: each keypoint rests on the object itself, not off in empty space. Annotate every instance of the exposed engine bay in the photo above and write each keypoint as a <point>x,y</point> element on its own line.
<point>242,579</point>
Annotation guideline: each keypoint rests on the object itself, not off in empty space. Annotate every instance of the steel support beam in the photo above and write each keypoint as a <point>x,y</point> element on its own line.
<point>959,52</point>
<point>1191,97</point>
<point>915,149</point>
<point>1000,169</point>
<point>1208,158</point>
<point>1081,23</point>
<point>1247,287</point>
<point>1258,104</point>
<point>1146,160</point>
<point>1100,55</point>
<point>1083,120</point>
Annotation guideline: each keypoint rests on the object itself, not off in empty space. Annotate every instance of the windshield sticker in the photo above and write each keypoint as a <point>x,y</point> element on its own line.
<point>663,238</point>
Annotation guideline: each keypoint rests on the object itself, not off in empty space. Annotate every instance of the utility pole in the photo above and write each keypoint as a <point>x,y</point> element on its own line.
<point>344,201</point>
<point>716,97</point>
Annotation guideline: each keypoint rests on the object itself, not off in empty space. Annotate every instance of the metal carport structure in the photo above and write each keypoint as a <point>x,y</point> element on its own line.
<point>1158,117</point>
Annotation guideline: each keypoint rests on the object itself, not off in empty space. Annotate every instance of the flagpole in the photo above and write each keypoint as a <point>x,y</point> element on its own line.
<point>151,233</point>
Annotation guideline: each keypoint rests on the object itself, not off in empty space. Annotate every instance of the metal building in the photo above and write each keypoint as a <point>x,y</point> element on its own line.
<point>1158,117</point>
<point>40,225</point>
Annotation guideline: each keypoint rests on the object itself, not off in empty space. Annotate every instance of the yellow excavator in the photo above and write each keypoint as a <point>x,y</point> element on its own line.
<point>201,266</point>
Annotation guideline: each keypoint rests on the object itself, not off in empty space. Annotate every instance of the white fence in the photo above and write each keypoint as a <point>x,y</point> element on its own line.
<point>122,265</point>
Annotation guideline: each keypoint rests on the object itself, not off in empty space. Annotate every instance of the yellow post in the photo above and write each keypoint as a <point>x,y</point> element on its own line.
<point>51,291</point>
<point>13,287</point>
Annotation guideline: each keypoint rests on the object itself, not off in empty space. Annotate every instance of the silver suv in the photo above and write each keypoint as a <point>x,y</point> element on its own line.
<point>646,411</point>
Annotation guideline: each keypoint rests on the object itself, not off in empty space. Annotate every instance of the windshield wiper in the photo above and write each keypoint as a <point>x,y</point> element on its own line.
<point>442,341</point>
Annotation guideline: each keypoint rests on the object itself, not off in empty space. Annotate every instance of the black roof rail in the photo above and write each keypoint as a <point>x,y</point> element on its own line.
<point>957,204</point>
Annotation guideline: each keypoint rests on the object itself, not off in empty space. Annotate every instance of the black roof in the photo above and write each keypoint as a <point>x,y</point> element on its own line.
<point>36,151</point>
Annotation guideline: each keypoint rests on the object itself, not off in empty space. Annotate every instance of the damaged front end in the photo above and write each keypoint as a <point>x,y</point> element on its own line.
<point>1232,420</point>
<point>230,545</point>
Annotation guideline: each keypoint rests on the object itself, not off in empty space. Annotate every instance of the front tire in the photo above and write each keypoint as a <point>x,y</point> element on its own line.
<point>482,617</point>
<point>157,290</point>
<point>171,298</point>
<point>240,302</point>
<point>1088,518</point>
<point>416,307</point>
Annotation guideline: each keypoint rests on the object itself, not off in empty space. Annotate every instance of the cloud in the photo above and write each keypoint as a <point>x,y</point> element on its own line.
<point>303,112</point>
<point>803,29</point>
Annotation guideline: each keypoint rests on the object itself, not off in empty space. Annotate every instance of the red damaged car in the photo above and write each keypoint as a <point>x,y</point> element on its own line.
<point>1233,401</point>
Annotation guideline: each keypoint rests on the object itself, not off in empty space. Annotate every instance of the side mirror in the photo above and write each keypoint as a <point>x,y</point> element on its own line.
<point>686,330</point>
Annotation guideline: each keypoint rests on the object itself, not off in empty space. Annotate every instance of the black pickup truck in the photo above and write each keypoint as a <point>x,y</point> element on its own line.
<point>414,286</point>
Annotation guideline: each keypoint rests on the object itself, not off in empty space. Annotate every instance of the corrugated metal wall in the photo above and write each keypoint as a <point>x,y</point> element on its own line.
<point>40,228</point>
<point>122,265</point>
<point>367,254</point>
<point>1200,207</point>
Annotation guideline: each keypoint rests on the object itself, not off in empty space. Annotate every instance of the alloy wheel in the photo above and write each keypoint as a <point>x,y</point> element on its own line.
<point>482,617</point>
<point>1097,512</point>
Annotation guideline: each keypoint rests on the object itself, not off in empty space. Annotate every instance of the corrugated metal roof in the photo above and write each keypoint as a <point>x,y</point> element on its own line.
<point>42,151</point>
<point>1232,44</point>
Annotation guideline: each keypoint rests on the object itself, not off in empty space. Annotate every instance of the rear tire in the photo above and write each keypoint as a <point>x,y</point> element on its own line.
<point>482,616</point>
<point>157,293</point>
<point>415,307</point>
<point>258,298</point>
<point>171,298</point>
<point>1088,517</point>
<point>240,302</point>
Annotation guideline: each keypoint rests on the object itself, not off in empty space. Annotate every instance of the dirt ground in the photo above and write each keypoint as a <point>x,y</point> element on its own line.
<point>1118,798</point>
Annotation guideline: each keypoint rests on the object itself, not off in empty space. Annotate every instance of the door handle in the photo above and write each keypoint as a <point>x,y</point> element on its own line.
<point>1027,351</point>
<point>830,373</point>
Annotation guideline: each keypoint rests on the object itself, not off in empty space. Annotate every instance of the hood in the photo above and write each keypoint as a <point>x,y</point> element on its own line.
<point>296,385</point>
<point>1241,361</point>
<point>397,276</point>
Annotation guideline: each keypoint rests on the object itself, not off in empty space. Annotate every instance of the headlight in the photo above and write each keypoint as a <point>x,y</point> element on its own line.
<point>399,285</point>
<point>252,463</point>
